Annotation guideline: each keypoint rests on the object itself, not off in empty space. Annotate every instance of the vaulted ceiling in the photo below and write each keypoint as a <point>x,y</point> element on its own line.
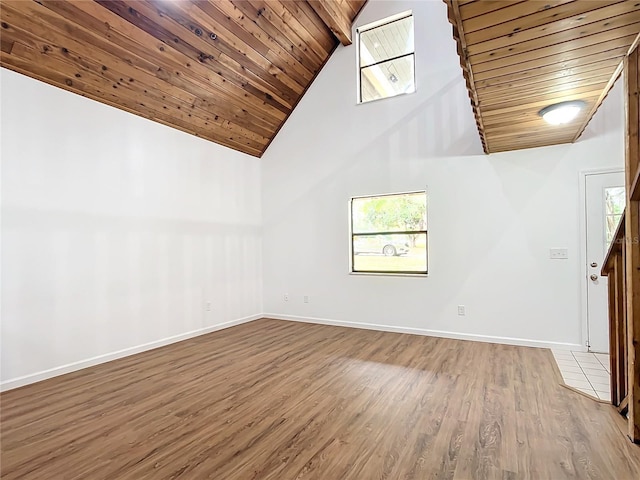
<point>521,56</point>
<point>230,71</point>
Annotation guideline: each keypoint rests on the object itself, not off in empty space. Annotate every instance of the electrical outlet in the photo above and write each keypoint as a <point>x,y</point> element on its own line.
<point>306,299</point>
<point>559,253</point>
<point>461,310</point>
<point>208,306</point>
<point>286,297</point>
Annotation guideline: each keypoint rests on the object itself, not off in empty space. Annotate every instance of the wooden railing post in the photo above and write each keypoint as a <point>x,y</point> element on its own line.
<point>614,268</point>
<point>622,266</point>
<point>631,245</point>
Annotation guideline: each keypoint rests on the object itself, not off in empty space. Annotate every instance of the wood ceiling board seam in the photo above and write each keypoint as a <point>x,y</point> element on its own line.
<point>524,146</point>
<point>502,48</point>
<point>510,107</point>
<point>542,140</point>
<point>262,84</point>
<point>194,55</point>
<point>482,7</point>
<point>561,42</point>
<point>133,57</point>
<point>44,45</point>
<point>71,42</point>
<point>549,21</point>
<point>283,65</point>
<point>468,74</point>
<point>605,92</point>
<point>549,82</point>
<point>215,17</point>
<point>87,54</point>
<point>527,91</point>
<point>538,67</point>
<point>525,94</point>
<point>555,74</point>
<point>152,101</point>
<point>544,133</point>
<point>264,23</point>
<point>312,22</point>
<point>541,134</point>
<point>362,5</point>
<point>510,128</point>
<point>588,91</point>
<point>509,12</point>
<point>525,119</point>
<point>127,40</point>
<point>174,22</point>
<point>522,137</point>
<point>26,68</point>
<point>56,37</point>
<point>230,10</point>
<point>275,56</point>
<point>227,55</point>
<point>59,80</point>
<point>296,26</point>
<point>528,143</point>
<point>267,11</point>
<point>526,64</point>
<point>264,88</point>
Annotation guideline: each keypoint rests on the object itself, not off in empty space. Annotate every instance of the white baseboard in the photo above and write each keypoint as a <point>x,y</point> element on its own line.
<point>524,342</point>
<point>90,362</point>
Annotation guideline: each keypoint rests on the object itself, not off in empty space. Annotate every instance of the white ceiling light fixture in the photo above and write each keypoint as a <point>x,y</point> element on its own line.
<point>562,112</point>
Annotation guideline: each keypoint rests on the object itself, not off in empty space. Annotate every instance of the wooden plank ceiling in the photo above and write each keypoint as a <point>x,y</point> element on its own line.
<point>521,56</point>
<point>230,71</point>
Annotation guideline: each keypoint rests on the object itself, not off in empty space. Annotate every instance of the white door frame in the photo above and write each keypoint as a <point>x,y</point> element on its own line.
<point>583,246</point>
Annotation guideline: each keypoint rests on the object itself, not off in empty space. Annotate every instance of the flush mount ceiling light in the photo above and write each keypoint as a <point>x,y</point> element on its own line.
<point>561,113</point>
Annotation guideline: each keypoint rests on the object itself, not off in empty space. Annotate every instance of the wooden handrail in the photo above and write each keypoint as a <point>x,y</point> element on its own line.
<point>615,248</point>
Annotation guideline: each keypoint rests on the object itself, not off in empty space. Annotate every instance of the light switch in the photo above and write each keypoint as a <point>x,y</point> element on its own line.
<point>559,253</point>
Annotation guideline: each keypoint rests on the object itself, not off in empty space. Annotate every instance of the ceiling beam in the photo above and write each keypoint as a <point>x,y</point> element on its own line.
<point>335,16</point>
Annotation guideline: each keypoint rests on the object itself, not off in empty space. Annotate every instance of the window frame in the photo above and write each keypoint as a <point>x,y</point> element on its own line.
<point>371,26</point>
<point>399,273</point>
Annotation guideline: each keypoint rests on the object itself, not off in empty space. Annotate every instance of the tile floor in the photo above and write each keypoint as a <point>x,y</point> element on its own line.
<point>587,372</point>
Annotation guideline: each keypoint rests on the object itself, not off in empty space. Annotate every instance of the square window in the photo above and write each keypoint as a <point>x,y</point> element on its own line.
<point>386,58</point>
<point>389,234</point>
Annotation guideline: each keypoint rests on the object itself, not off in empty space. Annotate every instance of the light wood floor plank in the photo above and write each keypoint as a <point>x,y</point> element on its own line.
<point>275,400</point>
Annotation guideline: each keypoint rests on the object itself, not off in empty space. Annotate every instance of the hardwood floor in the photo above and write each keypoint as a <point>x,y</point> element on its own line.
<point>282,401</point>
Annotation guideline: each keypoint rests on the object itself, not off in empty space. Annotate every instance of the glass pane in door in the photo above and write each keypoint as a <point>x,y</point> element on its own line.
<point>614,200</point>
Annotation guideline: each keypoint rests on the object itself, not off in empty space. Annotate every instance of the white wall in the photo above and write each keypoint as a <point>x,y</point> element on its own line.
<point>116,231</point>
<point>492,219</point>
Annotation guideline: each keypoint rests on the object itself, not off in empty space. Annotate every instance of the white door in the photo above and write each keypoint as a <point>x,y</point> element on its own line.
<point>605,198</point>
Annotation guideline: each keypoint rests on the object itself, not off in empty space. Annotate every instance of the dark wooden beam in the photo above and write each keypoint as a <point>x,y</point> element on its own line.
<point>335,16</point>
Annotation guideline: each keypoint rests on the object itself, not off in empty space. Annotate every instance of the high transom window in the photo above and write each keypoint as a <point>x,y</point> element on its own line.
<point>386,58</point>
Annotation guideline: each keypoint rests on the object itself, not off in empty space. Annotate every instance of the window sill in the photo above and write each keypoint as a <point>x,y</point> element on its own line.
<point>390,274</point>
